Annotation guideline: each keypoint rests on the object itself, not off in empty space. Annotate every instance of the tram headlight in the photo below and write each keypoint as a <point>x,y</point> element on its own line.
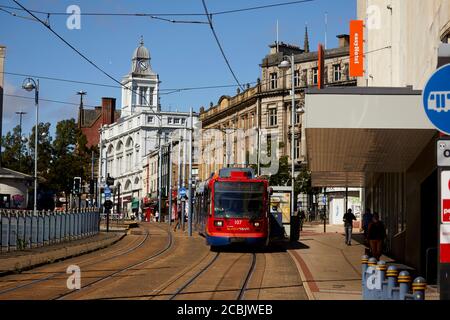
<point>256,224</point>
<point>218,223</point>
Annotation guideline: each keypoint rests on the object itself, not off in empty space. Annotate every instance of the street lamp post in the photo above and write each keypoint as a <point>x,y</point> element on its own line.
<point>21,114</point>
<point>29,85</point>
<point>285,66</point>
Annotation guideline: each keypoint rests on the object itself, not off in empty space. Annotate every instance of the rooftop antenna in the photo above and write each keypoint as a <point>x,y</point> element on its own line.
<point>277,37</point>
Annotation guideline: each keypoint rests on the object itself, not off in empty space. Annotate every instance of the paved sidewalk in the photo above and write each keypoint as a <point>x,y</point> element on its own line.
<point>329,268</point>
<point>16,261</point>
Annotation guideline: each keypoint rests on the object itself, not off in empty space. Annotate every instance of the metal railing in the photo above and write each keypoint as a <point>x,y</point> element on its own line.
<point>20,230</point>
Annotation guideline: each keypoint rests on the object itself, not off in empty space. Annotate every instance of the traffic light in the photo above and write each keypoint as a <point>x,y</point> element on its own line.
<point>108,204</point>
<point>109,181</point>
<point>77,185</point>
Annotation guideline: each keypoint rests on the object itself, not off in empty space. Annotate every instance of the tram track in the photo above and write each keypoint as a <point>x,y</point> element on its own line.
<point>121,270</point>
<point>54,274</point>
<point>240,290</point>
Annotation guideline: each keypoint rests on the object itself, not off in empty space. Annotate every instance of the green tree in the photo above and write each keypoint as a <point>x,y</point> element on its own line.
<point>45,151</point>
<point>14,151</point>
<point>71,157</point>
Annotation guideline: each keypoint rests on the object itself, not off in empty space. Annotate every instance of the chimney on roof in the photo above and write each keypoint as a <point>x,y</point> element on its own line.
<point>344,40</point>
<point>108,110</point>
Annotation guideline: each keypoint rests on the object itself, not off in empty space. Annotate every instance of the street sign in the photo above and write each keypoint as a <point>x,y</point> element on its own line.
<point>182,192</point>
<point>107,193</point>
<point>443,153</point>
<point>445,197</point>
<point>436,99</point>
<point>445,244</point>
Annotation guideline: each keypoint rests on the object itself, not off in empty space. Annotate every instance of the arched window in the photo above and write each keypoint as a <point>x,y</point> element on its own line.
<point>127,185</point>
<point>119,146</point>
<point>129,143</point>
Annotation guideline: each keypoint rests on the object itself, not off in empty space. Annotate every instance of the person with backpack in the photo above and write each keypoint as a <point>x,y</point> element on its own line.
<point>376,235</point>
<point>349,217</point>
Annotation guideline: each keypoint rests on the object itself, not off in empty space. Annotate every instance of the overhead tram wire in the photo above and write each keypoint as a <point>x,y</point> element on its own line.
<point>82,55</point>
<point>220,46</point>
<point>48,100</point>
<point>171,91</point>
<point>162,14</point>
<point>261,7</point>
<point>62,80</point>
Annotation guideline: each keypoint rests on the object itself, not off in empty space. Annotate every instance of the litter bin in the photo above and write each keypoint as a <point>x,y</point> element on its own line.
<point>295,228</point>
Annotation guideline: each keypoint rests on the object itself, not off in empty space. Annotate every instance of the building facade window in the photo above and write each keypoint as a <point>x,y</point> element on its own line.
<point>297,148</point>
<point>304,77</point>
<point>337,74</point>
<point>298,117</point>
<point>273,80</point>
<point>169,120</point>
<point>273,117</point>
<point>297,78</point>
<point>315,76</point>
<point>150,119</point>
<point>142,96</point>
<point>183,120</point>
<point>176,120</point>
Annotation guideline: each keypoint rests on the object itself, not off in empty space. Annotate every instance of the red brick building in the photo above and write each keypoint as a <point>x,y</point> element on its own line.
<point>90,120</point>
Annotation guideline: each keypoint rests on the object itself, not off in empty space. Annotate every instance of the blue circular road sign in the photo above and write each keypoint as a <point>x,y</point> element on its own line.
<point>436,99</point>
<point>182,192</point>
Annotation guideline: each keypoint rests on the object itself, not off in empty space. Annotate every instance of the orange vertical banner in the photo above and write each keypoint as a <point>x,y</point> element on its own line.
<point>321,67</point>
<point>356,48</point>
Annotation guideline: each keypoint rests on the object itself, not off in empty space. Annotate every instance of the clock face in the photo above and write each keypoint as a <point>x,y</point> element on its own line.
<point>143,65</point>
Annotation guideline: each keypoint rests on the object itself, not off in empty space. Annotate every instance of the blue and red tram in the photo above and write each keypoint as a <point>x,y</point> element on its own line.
<point>232,207</point>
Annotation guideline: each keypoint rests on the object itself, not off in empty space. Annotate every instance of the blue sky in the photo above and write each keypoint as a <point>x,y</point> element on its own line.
<point>184,55</point>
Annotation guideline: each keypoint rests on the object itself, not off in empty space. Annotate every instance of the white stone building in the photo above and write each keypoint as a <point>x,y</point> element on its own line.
<point>125,144</point>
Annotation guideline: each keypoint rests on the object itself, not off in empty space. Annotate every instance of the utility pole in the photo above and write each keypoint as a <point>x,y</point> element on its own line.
<point>170,180</point>
<point>160,175</point>
<point>190,176</point>
<point>183,203</point>
<point>81,93</point>
<point>179,175</point>
<point>21,114</point>
<point>2,61</point>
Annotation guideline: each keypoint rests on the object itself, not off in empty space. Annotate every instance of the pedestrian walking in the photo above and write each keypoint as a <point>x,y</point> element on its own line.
<point>367,219</point>
<point>157,215</point>
<point>178,217</point>
<point>302,218</point>
<point>376,235</point>
<point>349,217</point>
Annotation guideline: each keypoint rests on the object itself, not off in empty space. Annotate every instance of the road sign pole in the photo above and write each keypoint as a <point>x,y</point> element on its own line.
<point>107,220</point>
<point>190,177</point>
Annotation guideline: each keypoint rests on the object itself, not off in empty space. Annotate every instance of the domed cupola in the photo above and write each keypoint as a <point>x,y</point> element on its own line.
<point>141,60</point>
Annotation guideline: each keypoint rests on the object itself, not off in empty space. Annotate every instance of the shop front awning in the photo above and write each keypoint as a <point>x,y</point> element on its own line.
<point>353,133</point>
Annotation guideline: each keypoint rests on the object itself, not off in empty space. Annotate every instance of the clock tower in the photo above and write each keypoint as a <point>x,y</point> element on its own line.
<point>141,90</point>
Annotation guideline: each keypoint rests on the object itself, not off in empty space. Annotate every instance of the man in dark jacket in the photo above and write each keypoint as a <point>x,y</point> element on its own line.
<point>348,224</point>
<point>376,235</point>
